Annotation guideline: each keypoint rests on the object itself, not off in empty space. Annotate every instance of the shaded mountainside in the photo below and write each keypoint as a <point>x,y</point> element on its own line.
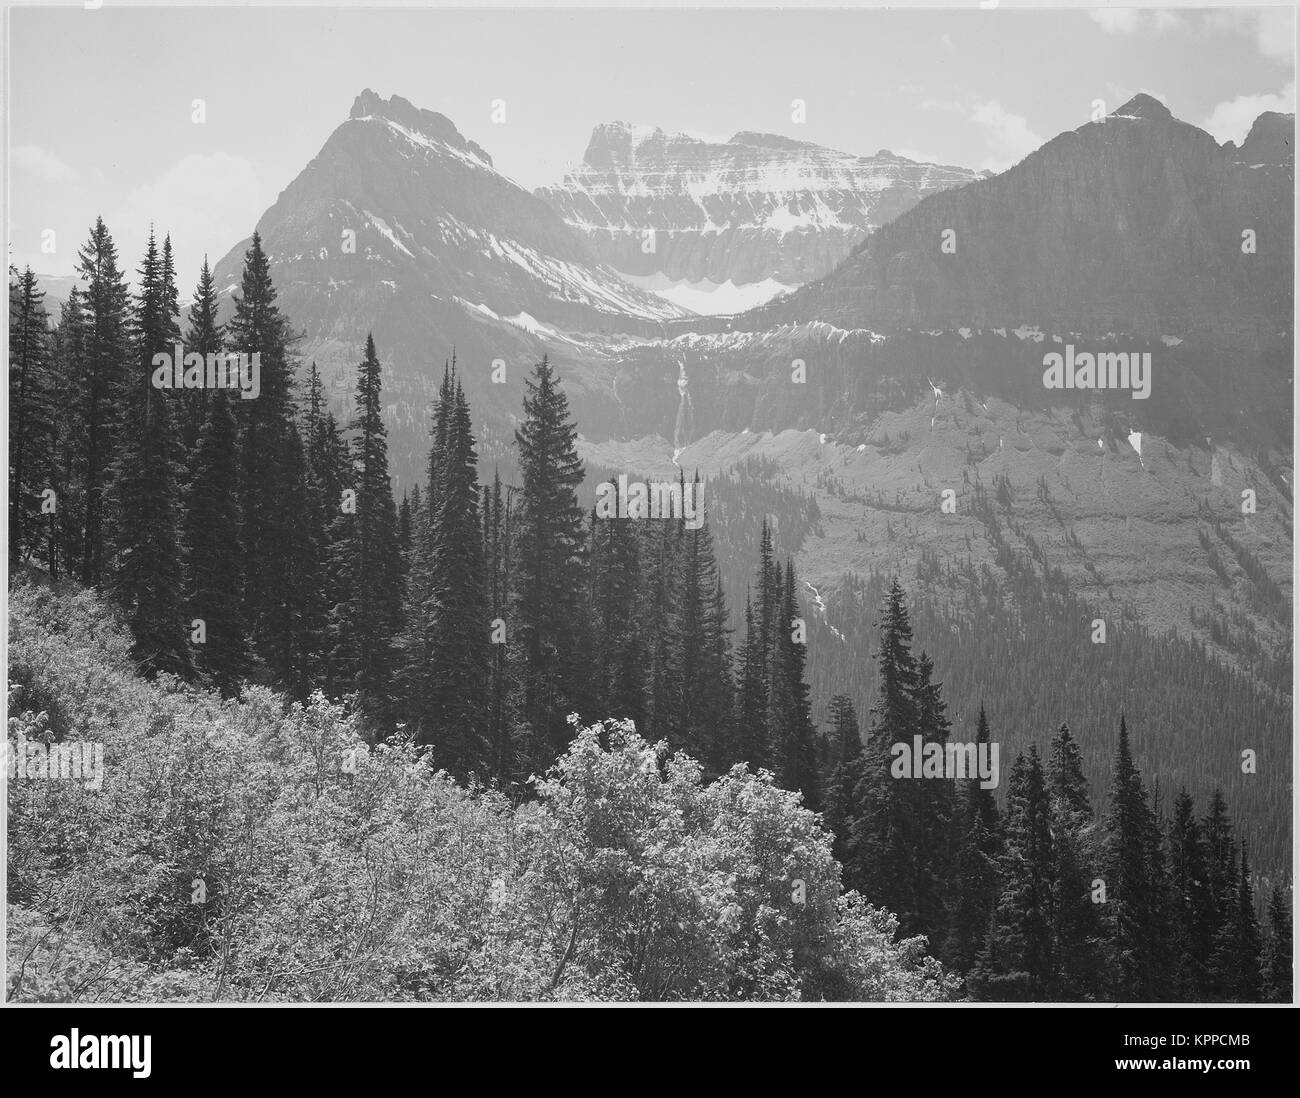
<point>1132,224</point>
<point>1049,536</point>
<point>757,208</point>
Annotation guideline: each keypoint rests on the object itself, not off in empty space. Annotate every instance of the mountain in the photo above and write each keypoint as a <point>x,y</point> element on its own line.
<point>737,221</point>
<point>446,254</point>
<point>1130,224</point>
<point>916,376</point>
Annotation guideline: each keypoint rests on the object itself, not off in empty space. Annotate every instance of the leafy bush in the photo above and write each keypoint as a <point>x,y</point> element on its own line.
<point>259,850</point>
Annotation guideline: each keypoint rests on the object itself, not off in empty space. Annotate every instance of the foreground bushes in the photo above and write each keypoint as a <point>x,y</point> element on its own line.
<point>327,870</point>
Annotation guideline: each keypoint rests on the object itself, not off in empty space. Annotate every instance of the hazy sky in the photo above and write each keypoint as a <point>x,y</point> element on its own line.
<point>100,102</point>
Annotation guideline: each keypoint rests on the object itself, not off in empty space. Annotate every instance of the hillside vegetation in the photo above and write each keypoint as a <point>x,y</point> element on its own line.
<point>260,850</point>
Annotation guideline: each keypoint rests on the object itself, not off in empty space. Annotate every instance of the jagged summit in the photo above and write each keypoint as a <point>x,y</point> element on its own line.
<point>369,104</point>
<point>770,141</point>
<point>757,209</point>
<point>1146,106</point>
<point>1271,140</point>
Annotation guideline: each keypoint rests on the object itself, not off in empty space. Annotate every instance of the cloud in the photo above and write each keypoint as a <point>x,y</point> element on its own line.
<point>206,202</point>
<point>1273,28</point>
<point>1275,32</point>
<point>1116,20</point>
<point>42,164</point>
<point>1008,135</point>
<point>1231,120</point>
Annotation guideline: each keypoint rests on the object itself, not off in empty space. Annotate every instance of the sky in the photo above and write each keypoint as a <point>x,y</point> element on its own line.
<point>101,114</point>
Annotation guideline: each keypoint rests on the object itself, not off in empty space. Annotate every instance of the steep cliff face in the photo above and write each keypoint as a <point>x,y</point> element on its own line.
<point>759,209</point>
<point>1139,223</point>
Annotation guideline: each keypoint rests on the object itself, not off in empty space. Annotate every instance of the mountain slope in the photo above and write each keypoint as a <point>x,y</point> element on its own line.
<point>1133,224</point>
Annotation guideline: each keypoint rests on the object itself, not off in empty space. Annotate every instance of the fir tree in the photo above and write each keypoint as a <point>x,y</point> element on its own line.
<point>789,711</point>
<point>1132,873</point>
<point>267,437</point>
<point>1192,912</point>
<point>1018,962</point>
<point>103,354</point>
<point>886,835</point>
<point>1077,929</point>
<point>979,855</point>
<point>547,569</point>
<point>203,337</point>
<point>1277,955</point>
<point>752,745</point>
<point>456,611</point>
<point>366,558</point>
<point>147,576</point>
<point>213,563</point>
<point>32,414</point>
<point>840,786</point>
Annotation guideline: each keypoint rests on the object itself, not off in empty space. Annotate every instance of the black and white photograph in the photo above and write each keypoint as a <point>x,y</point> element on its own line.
<point>638,505</point>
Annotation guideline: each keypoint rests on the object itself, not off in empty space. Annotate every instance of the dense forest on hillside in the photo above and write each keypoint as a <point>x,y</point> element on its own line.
<point>506,657</point>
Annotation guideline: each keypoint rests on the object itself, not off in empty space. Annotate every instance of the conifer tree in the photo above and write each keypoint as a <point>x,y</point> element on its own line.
<point>267,437</point>
<point>1077,929</point>
<point>103,357</point>
<point>298,612</point>
<point>147,577</point>
<point>791,730</point>
<point>496,549</point>
<point>32,414</point>
<point>204,336</point>
<point>547,569</point>
<point>366,558</point>
<point>1132,871</point>
<point>328,468</point>
<point>979,856</point>
<point>212,549</point>
<point>752,745</point>
<point>1018,964</point>
<point>886,835</point>
<point>932,809</point>
<point>619,641</point>
<point>65,527</point>
<point>1192,915</point>
<point>840,785</point>
<point>1277,955</point>
<point>458,622</point>
<point>1235,971</point>
<point>1221,873</point>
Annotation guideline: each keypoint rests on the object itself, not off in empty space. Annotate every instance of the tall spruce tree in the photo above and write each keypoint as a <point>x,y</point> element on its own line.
<point>1277,955</point>
<point>1192,909</point>
<point>840,784</point>
<point>103,355</point>
<point>932,808</point>
<point>886,836</point>
<point>752,746</point>
<point>147,577</point>
<point>1018,962</point>
<point>368,618</point>
<point>32,415</point>
<point>259,331</point>
<point>1133,871</point>
<point>547,570</point>
<point>204,336</point>
<point>789,711</point>
<point>496,549</point>
<point>1077,929</point>
<point>979,857</point>
<point>459,626</point>
<point>213,564</point>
